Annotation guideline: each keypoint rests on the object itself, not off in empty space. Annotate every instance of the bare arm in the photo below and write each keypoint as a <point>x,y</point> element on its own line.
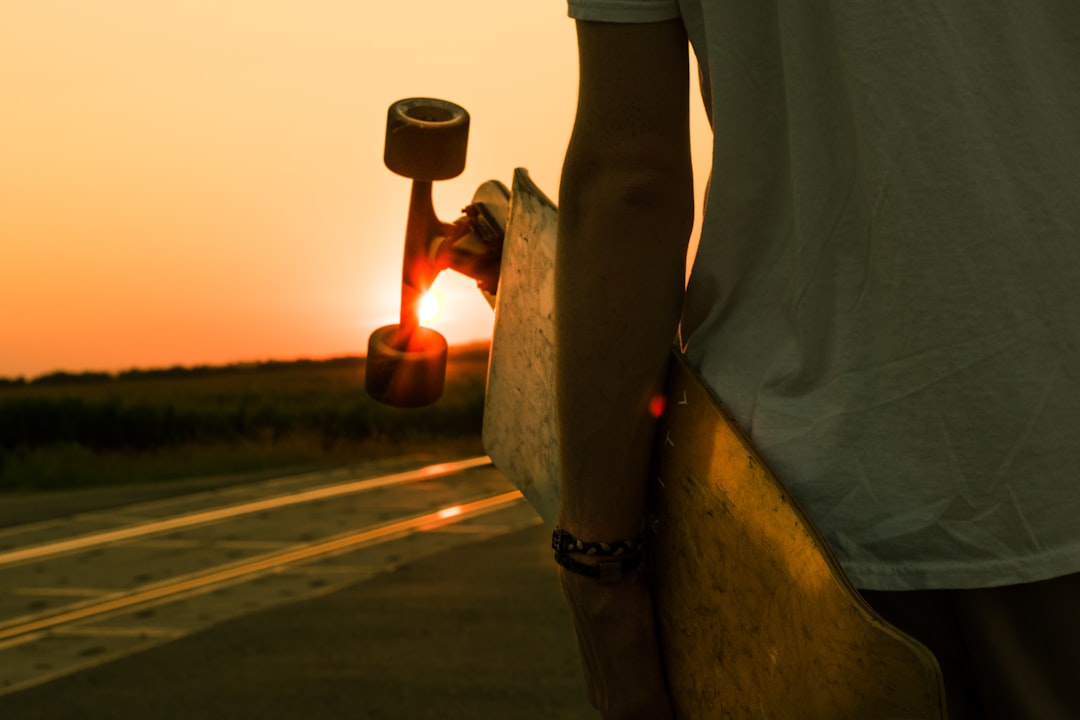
<point>626,209</point>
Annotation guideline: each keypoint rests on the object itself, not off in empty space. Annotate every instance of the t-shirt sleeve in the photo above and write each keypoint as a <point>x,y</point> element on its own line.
<point>624,11</point>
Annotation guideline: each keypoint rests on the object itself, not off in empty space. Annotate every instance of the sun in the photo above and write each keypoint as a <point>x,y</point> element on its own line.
<point>429,307</point>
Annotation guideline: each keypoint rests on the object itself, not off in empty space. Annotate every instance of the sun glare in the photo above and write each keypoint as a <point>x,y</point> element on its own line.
<point>429,307</point>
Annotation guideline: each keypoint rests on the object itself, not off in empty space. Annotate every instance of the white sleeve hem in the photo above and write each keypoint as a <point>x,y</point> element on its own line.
<point>624,11</point>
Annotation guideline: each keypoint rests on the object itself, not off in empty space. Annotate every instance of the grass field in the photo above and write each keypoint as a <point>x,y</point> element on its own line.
<point>70,430</point>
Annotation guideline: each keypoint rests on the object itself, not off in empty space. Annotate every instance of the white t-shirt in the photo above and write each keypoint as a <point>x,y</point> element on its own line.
<point>887,291</point>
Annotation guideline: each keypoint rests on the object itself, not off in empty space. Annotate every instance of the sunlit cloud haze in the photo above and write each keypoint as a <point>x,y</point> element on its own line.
<point>202,182</point>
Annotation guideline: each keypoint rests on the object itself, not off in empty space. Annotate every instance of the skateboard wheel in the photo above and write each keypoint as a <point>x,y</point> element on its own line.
<point>426,139</point>
<point>405,372</point>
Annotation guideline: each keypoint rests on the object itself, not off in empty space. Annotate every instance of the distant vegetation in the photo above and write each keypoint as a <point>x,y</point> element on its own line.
<point>76,430</point>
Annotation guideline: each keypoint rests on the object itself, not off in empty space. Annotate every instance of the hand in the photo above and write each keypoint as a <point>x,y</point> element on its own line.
<point>616,635</point>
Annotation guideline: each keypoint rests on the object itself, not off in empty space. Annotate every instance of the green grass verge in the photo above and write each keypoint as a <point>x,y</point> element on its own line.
<point>67,431</point>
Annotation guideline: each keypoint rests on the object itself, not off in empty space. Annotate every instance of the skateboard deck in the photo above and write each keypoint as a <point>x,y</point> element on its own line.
<point>755,616</point>
<point>519,431</point>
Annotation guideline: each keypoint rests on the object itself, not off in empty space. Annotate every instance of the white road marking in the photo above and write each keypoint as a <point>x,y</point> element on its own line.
<point>15,642</point>
<point>197,582</point>
<point>36,552</point>
<point>66,670</point>
<point>33,527</point>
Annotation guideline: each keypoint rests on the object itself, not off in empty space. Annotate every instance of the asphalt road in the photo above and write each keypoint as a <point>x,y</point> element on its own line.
<point>469,625</point>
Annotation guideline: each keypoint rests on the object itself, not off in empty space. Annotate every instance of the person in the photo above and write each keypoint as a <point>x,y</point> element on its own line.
<point>885,296</point>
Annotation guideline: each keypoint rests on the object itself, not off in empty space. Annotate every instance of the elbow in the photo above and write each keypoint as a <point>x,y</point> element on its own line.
<point>632,183</point>
<point>655,189</point>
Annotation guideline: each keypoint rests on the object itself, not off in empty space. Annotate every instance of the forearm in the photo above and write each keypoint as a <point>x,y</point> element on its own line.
<point>626,208</point>
<point>624,224</point>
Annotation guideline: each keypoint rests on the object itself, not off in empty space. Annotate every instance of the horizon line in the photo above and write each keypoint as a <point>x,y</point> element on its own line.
<point>88,374</point>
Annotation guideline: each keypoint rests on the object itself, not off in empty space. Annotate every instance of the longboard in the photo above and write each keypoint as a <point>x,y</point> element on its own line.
<point>755,616</point>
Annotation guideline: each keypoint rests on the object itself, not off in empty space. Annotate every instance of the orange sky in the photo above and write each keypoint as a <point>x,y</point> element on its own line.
<point>202,182</point>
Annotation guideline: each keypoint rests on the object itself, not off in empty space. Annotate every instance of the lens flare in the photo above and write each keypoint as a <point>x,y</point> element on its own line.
<point>429,307</point>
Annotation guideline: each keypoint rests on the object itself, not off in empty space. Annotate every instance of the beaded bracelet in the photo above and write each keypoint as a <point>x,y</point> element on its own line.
<point>625,556</point>
<point>564,542</point>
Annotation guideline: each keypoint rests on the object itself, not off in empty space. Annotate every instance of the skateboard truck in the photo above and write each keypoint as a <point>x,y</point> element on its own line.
<point>426,140</point>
